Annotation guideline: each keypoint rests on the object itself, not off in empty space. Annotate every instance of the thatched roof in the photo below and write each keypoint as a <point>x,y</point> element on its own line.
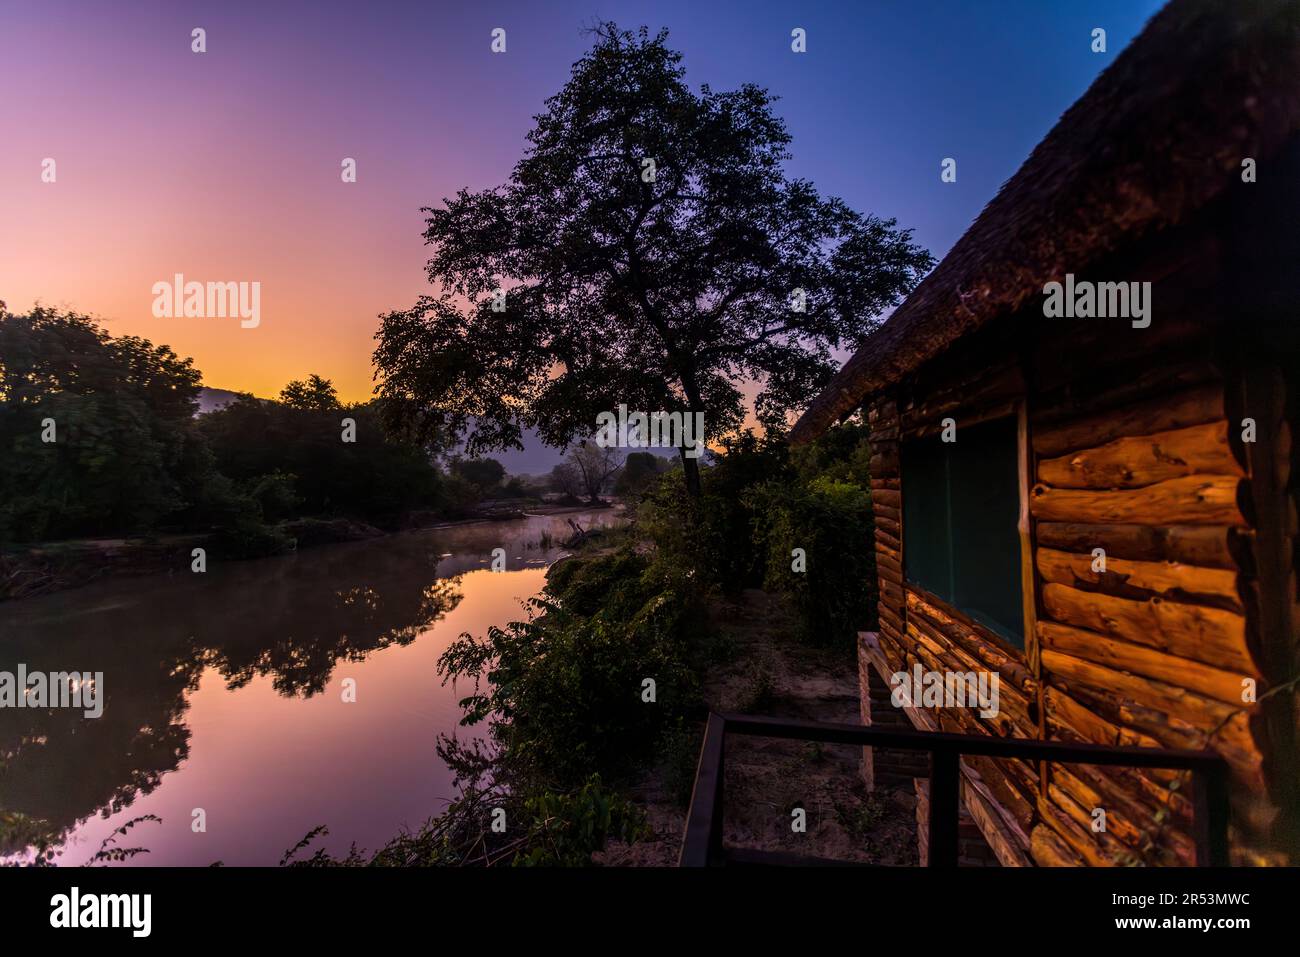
<point>1158,135</point>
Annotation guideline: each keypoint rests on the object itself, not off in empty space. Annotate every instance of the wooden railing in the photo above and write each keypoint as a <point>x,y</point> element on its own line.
<point>702,845</point>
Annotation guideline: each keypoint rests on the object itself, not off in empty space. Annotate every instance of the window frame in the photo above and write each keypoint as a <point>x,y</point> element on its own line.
<point>1028,654</point>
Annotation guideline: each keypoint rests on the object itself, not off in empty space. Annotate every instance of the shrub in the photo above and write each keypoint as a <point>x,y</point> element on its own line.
<point>484,474</point>
<point>546,828</point>
<point>831,522</point>
<point>712,539</point>
<point>275,495</point>
<point>565,829</point>
<point>563,690</point>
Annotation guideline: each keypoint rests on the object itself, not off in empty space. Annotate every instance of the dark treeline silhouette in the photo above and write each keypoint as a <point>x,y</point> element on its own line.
<point>99,436</point>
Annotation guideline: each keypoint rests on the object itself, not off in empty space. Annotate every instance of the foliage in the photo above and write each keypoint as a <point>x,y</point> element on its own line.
<point>760,501</point>
<point>648,249</point>
<point>124,455</point>
<point>515,487</point>
<point>131,457</point>
<point>640,470</point>
<point>543,827</point>
<point>562,691</point>
<point>274,494</point>
<point>45,843</point>
<point>110,852</point>
<point>567,480</point>
<point>313,394</point>
<point>564,829</point>
<point>457,497</point>
<point>483,474</point>
<point>679,754</point>
<point>596,465</point>
<point>375,477</point>
<point>841,453</point>
<point>713,538</point>
<point>831,522</point>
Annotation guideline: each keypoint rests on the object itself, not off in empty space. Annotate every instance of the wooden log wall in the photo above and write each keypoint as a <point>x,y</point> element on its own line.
<point>1142,631</point>
<point>917,629</point>
<point>1160,645</point>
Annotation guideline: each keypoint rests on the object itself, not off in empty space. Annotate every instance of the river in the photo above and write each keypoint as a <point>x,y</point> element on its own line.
<point>224,693</point>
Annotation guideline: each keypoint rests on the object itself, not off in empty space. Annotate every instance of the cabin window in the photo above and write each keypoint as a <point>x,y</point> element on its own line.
<point>961,509</point>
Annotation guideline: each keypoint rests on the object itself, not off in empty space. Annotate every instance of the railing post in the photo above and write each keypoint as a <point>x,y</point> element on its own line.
<point>719,791</point>
<point>945,789</point>
<point>1210,811</point>
<point>702,842</point>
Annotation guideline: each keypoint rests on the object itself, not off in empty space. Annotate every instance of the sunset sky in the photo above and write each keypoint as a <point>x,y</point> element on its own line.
<point>225,165</point>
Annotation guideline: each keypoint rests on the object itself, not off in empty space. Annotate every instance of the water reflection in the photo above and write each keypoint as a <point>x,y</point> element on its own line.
<point>246,656</point>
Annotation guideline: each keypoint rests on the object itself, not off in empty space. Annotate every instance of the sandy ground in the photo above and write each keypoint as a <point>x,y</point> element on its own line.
<point>766,779</point>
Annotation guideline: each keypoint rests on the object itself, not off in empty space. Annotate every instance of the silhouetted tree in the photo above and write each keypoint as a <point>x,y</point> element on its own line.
<point>567,480</point>
<point>313,394</point>
<point>639,470</point>
<point>649,249</point>
<point>483,474</point>
<point>596,466</point>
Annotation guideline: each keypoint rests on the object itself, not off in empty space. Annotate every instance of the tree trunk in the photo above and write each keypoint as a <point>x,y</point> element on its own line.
<point>691,466</point>
<point>691,470</point>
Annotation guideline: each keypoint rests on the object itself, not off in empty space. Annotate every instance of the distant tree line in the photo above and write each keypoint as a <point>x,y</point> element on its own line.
<point>99,435</point>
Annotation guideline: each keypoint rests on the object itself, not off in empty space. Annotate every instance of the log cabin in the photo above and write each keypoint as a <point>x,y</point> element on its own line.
<point>1102,509</point>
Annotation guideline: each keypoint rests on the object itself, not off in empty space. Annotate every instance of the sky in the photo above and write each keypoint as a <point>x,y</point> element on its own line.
<point>225,165</point>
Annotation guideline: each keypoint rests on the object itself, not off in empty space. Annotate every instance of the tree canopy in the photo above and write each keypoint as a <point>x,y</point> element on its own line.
<point>648,249</point>
<point>483,474</point>
<point>313,393</point>
<point>100,435</point>
<point>94,431</point>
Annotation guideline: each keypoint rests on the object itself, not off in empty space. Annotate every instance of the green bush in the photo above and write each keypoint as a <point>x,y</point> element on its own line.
<point>712,539</point>
<point>247,537</point>
<point>759,502</point>
<point>121,410</point>
<point>831,522</point>
<point>374,478</point>
<point>563,691</point>
<point>565,829</point>
<point>679,756</point>
<point>610,583</point>
<point>274,493</point>
<point>545,827</point>
<point>485,474</point>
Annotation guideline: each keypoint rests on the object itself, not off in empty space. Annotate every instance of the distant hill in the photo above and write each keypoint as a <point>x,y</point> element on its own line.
<point>212,399</point>
<point>535,458</point>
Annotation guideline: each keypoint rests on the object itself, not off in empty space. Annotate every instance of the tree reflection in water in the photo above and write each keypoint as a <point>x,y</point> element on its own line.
<point>293,619</point>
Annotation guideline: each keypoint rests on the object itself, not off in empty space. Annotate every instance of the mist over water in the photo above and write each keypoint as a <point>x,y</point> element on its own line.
<point>224,692</point>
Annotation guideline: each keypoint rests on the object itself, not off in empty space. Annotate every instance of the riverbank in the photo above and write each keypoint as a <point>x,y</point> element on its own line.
<point>239,684</point>
<point>49,567</point>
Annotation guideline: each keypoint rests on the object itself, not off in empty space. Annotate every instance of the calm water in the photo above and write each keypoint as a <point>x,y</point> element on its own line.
<point>223,692</point>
